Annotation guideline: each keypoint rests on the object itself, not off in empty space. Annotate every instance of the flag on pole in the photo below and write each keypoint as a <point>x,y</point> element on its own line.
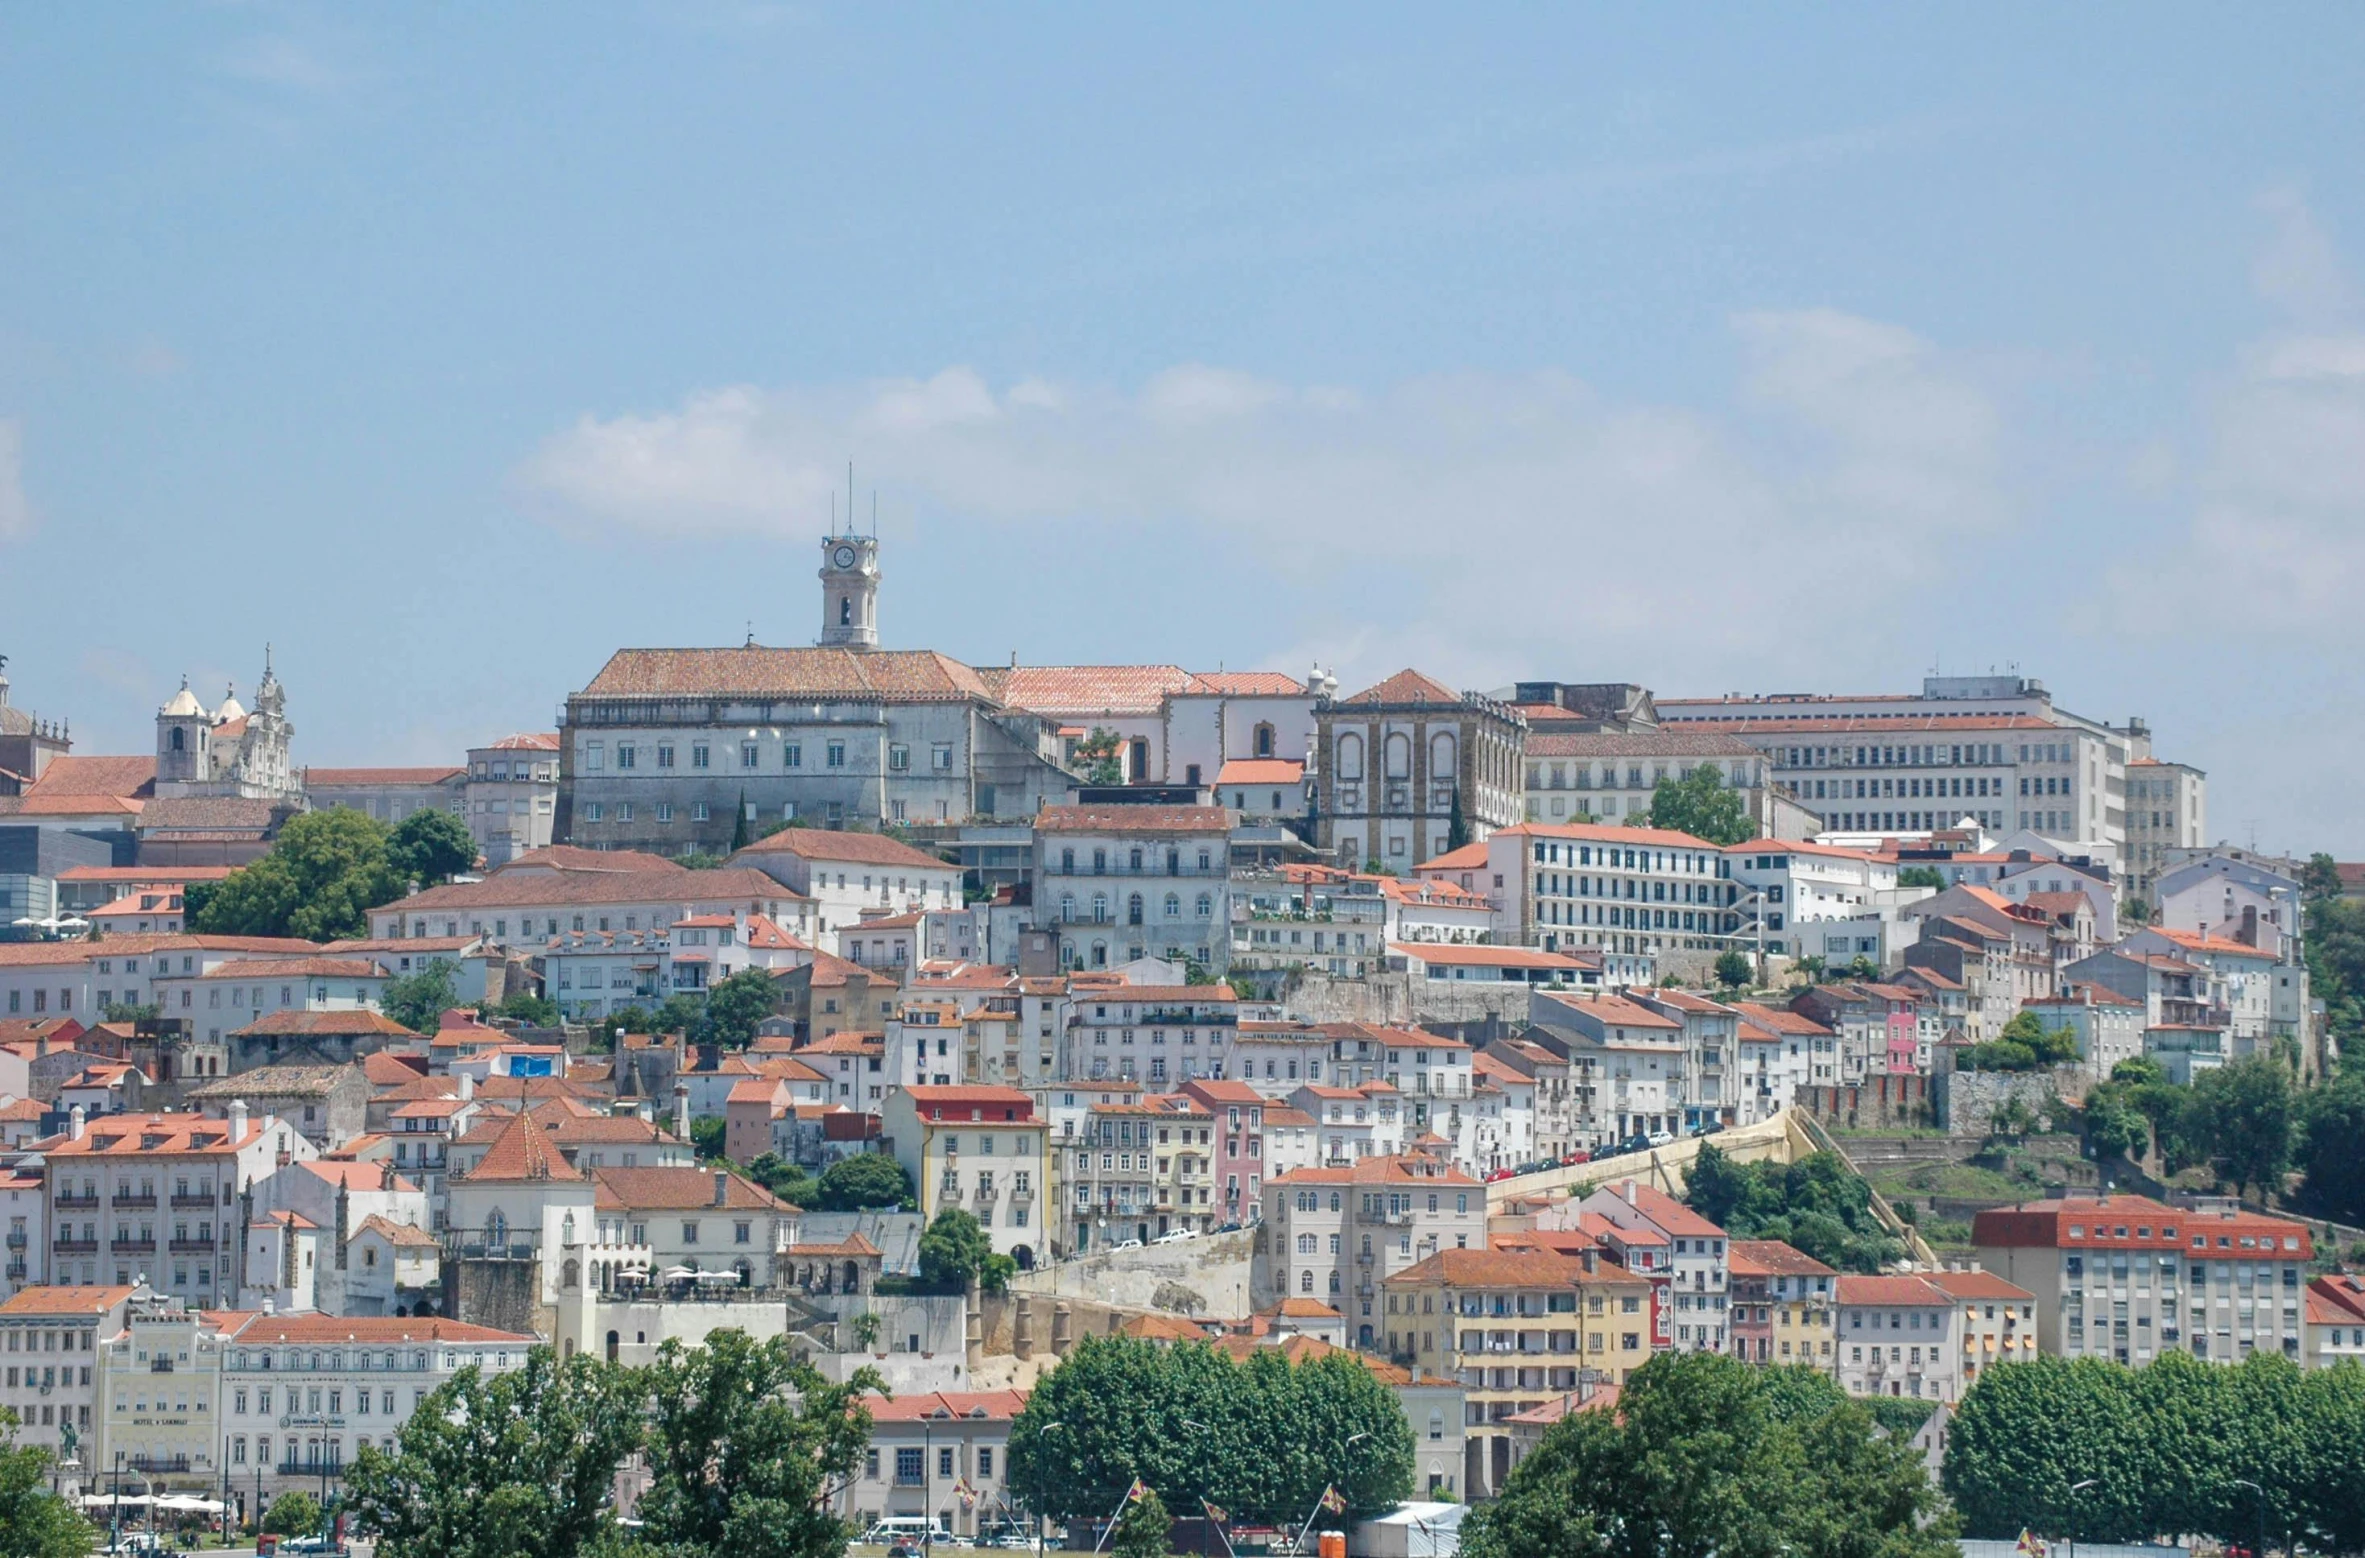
<point>1215,1512</point>
<point>1333,1501</point>
<point>1137,1490</point>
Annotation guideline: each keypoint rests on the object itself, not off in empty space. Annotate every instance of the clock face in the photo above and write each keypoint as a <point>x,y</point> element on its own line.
<point>844,557</point>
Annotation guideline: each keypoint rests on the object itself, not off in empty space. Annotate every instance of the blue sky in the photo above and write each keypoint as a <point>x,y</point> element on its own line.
<point>449,349</point>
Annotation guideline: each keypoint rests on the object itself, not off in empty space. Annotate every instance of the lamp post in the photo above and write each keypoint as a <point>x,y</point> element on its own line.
<point>1041,1479</point>
<point>928,1487</point>
<point>2075,1489</point>
<point>2244,1482</point>
<point>115,1519</point>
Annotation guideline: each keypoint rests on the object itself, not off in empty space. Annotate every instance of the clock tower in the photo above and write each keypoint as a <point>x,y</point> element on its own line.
<point>849,592</point>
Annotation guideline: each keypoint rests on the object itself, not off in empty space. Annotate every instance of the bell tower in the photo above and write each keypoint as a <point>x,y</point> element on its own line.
<point>849,592</point>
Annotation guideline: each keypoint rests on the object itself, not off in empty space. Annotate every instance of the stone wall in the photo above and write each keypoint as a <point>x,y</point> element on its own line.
<point>1399,1000</point>
<point>504,1294</point>
<point>1205,1278</point>
<point>1969,1101</point>
<point>1878,1103</point>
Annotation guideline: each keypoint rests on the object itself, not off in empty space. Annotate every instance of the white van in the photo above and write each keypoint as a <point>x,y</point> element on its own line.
<point>888,1529</point>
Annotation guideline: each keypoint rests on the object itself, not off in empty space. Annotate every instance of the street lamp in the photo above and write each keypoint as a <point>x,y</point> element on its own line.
<point>2075,1489</point>
<point>1042,1474</point>
<point>2243,1482</point>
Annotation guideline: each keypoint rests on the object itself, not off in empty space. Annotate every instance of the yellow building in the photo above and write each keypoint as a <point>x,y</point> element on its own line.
<point>1516,1328</point>
<point>980,1149</point>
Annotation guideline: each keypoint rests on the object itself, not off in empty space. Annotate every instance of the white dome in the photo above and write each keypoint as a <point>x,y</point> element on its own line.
<point>184,702</point>
<point>229,710</point>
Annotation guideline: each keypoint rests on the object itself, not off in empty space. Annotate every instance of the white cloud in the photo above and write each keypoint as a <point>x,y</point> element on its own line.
<point>1525,514</point>
<point>2277,509</point>
<point>16,513</point>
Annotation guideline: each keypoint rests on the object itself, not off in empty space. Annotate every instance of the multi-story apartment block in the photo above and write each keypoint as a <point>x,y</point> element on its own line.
<point>1336,1234</point>
<point>2187,1020</point>
<point>24,1202</point>
<point>1781,1052</point>
<point>300,1395</point>
<point>1610,775</point>
<point>2126,1278</point>
<point>1696,1285</point>
<point>1998,1322</point>
<point>1898,1336</point>
<point>1159,1035</point>
<point>158,1394</point>
<point>669,749</point>
<point>1322,918</point>
<point>1785,890</point>
<point>1625,1062</point>
<point>1781,1303</point>
<point>1352,1122</point>
<point>1275,1058</point>
<point>166,1190</point>
<point>1554,1126</point>
<point>848,877</point>
<point>1140,1171</point>
<point>1632,890</point>
<point>530,907</point>
<point>1429,1071</point>
<point>1397,760</point>
<point>591,973</point>
<point>1515,1328</point>
<point>982,1149</point>
<point>1241,1161</point>
<point>1710,1036</point>
<point>2167,809</point>
<point>49,1337</point>
<point>1995,749</point>
<point>1119,883</point>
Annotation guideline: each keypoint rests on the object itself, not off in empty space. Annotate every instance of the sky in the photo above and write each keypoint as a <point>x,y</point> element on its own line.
<point>447,350</point>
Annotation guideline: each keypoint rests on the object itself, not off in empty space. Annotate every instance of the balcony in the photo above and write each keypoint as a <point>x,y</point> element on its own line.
<point>16,1239</point>
<point>159,1465</point>
<point>197,1201</point>
<point>66,1246</point>
<point>132,1246</point>
<point>191,1246</point>
<point>66,1202</point>
<point>127,1201</point>
<point>16,1271</point>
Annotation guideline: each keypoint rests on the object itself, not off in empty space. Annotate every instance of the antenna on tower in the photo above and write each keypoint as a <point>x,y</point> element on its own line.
<point>833,513</point>
<point>849,495</point>
<point>874,513</point>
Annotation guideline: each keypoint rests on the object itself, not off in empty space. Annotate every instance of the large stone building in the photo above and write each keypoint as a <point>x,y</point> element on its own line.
<point>227,751</point>
<point>1398,761</point>
<point>677,751</point>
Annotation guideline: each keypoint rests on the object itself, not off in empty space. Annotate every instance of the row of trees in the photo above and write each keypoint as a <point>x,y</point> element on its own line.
<point>2022,1044</point>
<point>2249,1123</point>
<point>2167,1448</point>
<point>1259,1439</point>
<point>1815,1205</point>
<point>744,1445</point>
<point>1705,1456</point>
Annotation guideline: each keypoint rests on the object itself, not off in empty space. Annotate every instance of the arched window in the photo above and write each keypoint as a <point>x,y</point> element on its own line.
<point>1441,756</point>
<point>496,1229</point>
<point>1133,909</point>
<point>179,740</point>
<point>1174,906</point>
<point>1067,906</point>
<point>572,1276</point>
<point>1206,905</point>
<point>1264,740</point>
<point>1334,1200</point>
<point>1100,906</point>
<point>613,1341</point>
<point>1399,755</point>
<point>1350,756</point>
<point>845,611</point>
<point>853,1277</point>
<point>1141,759</point>
<point>1305,1281</point>
<point>1334,1284</point>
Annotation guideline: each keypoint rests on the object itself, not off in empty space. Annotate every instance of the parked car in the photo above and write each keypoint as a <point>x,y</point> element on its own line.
<point>1178,1236</point>
<point>1660,1139</point>
<point>1576,1157</point>
<point>1498,1174</point>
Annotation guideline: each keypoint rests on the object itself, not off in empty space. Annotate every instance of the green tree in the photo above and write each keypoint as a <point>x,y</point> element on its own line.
<point>2244,1114</point>
<point>512,1465</point>
<point>956,1252</point>
<point>324,874</point>
<point>708,1133</point>
<point>1457,823</point>
<point>1097,757</point>
<point>1732,969</point>
<point>34,1522</point>
<point>294,1513</point>
<point>1261,1438</point>
<point>699,860</point>
<point>1143,1529</point>
<point>128,1011</point>
<point>2320,877</point>
<point>1920,876</point>
<point>866,1182</point>
<point>526,1007</point>
<point>2332,1124</point>
<point>866,1330</point>
<point>737,1006</point>
<point>428,847</point>
<point>1701,805</point>
<point>2115,1127</point>
<point>1814,1205</point>
<point>1703,1457</point>
<point>784,1179</point>
<point>745,1442</point>
<point>739,825</point>
<point>418,1000</point>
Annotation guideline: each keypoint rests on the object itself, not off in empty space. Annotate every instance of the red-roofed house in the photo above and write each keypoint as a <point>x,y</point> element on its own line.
<point>1119,883</point>
<point>1898,1336</point>
<point>1336,1232</point>
<point>982,1149</point>
<point>942,1456</point>
<point>1698,1278</point>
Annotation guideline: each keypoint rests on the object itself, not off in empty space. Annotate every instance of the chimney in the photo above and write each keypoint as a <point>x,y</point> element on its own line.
<point>237,1121</point>
<point>1592,1259</point>
<point>681,1110</point>
<point>722,1189</point>
<point>270,1308</point>
<point>77,1123</point>
<point>1628,1187</point>
<point>467,1086</point>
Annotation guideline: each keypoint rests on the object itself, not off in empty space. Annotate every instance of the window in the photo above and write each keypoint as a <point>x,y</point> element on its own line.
<point>899,758</point>
<point>625,756</point>
<point>792,755</point>
<point>909,1467</point>
<point>837,754</point>
<point>699,755</point>
<point>747,754</point>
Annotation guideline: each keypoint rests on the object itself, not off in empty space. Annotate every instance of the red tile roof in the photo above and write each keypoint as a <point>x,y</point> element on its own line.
<point>869,849</point>
<point>804,675</point>
<point>522,1152</point>
<point>1133,819</point>
<point>380,777</point>
<point>991,1405</point>
<point>1406,686</point>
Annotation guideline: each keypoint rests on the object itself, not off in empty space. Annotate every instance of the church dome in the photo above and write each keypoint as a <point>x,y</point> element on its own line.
<point>231,708</point>
<point>183,702</point>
